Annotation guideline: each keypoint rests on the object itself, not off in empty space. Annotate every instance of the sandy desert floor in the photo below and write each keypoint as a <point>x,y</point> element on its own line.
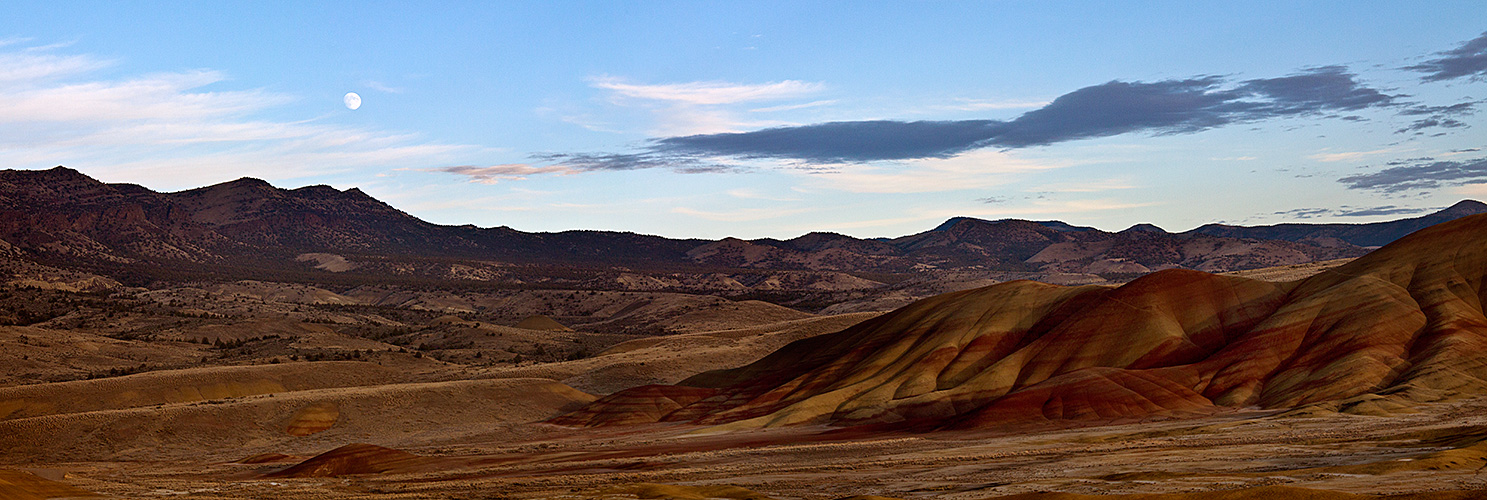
<point>1441,448</point>
<point>416,429</point>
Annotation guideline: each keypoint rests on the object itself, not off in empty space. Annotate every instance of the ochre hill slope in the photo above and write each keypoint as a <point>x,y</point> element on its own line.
<point>1405,322</point>
<point>416,414</point>
<point>355,458</point>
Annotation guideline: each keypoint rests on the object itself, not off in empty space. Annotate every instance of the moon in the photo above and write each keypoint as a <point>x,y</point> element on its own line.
<point>353,101</point>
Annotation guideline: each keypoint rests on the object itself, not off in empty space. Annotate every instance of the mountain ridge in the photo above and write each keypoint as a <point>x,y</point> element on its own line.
<point>63,215</point>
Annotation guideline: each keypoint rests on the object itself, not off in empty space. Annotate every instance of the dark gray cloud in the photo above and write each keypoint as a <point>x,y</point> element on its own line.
<point>1418,126</point>
<point>1113,108</point>
<point>1328,88</point>
<point>1467,61</point>
<point>585,162</point>
<point>1347,211</point>
<point>1165,107</point>
<point>841,141</point>
<point>1305,213</point>
<point>1382,210</point>
<point>1463,108</point>
<point>1436,116</point>
<point>1414,175</point>
<point>609,161</point>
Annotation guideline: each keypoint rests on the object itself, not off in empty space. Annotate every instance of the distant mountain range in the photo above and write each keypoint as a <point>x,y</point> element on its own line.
<point>63,217</point>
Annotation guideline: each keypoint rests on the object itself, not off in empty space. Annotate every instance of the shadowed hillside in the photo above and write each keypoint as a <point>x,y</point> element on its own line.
<point>249,228</point>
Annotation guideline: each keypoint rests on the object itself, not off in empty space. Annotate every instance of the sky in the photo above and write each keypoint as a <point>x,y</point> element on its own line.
<point>769,119</point>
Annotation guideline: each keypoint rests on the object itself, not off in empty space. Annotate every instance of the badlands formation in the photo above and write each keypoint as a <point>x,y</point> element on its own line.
<point>1342,379</point>
<point>1401,325</point>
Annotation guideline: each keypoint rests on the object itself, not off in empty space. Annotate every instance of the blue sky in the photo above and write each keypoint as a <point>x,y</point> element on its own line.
<point>770,119</point>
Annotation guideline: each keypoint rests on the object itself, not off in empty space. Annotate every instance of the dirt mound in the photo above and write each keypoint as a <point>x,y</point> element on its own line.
<point>357,458</point>
<point>642,404</point>
<point>312,419</point>
<point>1472,458</point>
<point>669,359</point>
<point>540,322</point>
<point>1405,322</point>
<point>18,485</point>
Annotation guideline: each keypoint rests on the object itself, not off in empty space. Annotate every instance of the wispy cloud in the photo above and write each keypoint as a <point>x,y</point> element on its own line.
<point>165,129</point>
<point>495,173</point>
<point>29,66</point>
<point>1424,173</point>
<point>13,40</point>
<point>1165,107</point>
<point>166,97</point>
<point>710,93</point>
<point>1469,60</point>
<point>1350,211</point>
<point>1114,108</point>
<point>707,107</point>
<point>1351,155</point>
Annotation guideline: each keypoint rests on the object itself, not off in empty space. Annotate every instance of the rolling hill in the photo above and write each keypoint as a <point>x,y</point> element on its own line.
<point>1403,324</point>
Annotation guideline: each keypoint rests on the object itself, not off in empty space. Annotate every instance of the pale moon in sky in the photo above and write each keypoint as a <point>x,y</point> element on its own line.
<point>353,101</point>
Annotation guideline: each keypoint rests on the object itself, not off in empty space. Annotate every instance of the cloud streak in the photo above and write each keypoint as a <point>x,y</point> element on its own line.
<point>1109,109</point>
<point>1347,211</point>
<point>164,129</point>
<point>494,174</point>
<point>27,66</point>
<point>706,107</point>
<point>1114,108</point>
<point>1466,61</point>
<point>708,93</point>
<point>1423,173</point>
<point>1156,108</point>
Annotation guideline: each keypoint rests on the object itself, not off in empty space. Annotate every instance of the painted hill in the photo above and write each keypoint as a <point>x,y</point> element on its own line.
<point>1404,323</point>
<point>540,322</point>
<point>355,458</point>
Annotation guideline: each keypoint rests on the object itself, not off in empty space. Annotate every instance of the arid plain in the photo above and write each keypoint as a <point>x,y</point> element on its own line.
<point>144,358</point>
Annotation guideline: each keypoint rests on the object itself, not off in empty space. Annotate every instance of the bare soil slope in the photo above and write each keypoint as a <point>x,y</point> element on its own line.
<point>673,358</point>
<point>292,422</point>
<point>1403,322</point>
